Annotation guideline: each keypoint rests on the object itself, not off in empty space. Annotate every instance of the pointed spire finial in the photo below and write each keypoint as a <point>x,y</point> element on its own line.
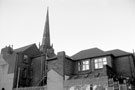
<point>47,15</point>
<point>47,8</point>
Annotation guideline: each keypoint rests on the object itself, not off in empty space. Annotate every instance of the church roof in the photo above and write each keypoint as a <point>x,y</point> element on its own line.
<point>30,50</point>
<point>22,49</point>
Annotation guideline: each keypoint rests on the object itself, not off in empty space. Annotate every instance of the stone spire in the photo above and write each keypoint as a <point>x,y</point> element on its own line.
<point>46,35</point>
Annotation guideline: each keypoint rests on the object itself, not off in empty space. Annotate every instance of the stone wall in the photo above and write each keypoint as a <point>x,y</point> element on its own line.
<point>82,84</point>
<point>32,88</point>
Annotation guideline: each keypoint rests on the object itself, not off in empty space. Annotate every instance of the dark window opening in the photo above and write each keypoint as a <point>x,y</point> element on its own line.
<point>84,65</point>
<point>3,89</point>
<point>25,59</point>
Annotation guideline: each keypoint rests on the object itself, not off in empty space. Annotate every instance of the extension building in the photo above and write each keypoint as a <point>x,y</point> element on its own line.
<point>92,69</point>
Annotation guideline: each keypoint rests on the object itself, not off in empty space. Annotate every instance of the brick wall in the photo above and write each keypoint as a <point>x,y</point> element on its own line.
<point>92,66</point>
<point>68,66</point>
<point>36,71</point>
<point>58,63</point>
<point>124,66</point>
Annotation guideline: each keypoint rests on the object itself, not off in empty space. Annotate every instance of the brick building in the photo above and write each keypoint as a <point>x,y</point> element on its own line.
<point>92,69</point>
<point>33,68</point>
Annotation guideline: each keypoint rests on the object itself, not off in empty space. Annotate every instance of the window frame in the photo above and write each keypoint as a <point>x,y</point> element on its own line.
<point>83,65</point>
<point>100,62</point>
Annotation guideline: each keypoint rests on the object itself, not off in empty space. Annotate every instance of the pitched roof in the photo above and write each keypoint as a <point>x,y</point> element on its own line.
<point>117,52</point>
<point>56,71</point>
<point>93,52</point>
<point>23,48</point>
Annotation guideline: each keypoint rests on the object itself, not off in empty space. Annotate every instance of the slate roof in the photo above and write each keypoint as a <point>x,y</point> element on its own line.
<point>96,52</point>
<point>93,52</point>
<point>117,52</point>
<point>22,49</point>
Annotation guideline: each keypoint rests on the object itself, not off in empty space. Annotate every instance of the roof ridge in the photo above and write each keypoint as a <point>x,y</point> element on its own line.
<point>92,52</point>
<point>23,48</point>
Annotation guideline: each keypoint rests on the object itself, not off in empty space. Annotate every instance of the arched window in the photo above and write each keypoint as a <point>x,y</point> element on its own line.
<point>3,89</point>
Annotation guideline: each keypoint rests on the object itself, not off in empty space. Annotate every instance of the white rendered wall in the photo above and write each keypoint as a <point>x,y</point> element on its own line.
<point>54,81</point>
<point>6,80</point>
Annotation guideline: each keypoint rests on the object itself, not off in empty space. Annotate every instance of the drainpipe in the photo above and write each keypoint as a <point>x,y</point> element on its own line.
<point>18,77</point>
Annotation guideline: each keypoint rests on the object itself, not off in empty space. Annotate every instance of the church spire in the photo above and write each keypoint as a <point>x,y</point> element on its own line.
<point>46,35</point>
<point>46,49</point>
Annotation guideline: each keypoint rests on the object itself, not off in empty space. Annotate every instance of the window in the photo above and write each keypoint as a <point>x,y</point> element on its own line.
<point>25,59</point>
<point>79,66</point>
<point>83,65</point>
<point>100,62</point>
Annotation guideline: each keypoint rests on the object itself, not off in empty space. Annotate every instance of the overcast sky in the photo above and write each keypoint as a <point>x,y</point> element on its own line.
<point>74,24</point>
